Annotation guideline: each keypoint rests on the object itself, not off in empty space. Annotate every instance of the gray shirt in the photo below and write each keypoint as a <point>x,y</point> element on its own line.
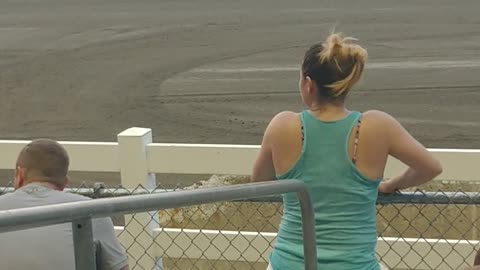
<point>51,247</point>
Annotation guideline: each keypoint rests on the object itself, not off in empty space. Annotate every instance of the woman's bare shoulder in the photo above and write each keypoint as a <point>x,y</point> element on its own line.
<point>283,122</point>
<point>377,114</point>
<point>283,118</point>
<point>378,118</point>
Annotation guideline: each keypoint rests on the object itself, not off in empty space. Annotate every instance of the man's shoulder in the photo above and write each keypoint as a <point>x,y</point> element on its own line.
<point>31,198</point>
<point>10,201</point>
<point>70,197</point>
<point>55,197</point>
<point>6,197</point>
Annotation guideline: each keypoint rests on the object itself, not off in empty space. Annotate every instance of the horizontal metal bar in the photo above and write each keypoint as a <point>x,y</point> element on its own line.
<point>26,218</point>
<point>65,212</point>
<point>102,192</point>
<point>418,197</point>
<point>439,197</point>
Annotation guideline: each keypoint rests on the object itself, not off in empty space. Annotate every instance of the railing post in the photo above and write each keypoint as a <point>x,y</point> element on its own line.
<point>83,244</point>
<point>308,226</point>
<point>139,235</point>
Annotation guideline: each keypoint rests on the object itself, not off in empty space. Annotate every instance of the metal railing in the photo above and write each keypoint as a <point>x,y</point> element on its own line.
<point>80,214</point>
<point>417,230</point>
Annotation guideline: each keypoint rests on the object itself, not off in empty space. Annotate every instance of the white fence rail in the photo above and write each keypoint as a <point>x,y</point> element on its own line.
<point>135,155</point>
<point>137,159</point>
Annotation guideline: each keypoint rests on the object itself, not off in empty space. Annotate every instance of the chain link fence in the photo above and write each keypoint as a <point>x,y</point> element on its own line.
<point>417,230</point>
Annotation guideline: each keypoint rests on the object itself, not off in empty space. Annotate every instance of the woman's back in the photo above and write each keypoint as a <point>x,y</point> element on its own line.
<point>367,144</point>
<point>343,198</point>
<point>341,157</point>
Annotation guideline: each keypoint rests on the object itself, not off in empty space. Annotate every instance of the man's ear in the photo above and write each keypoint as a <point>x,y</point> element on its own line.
<point>65,183</point>
<point>20,174</point>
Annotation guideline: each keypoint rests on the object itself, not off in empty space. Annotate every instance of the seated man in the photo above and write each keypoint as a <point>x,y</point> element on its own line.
<point>40,177</point>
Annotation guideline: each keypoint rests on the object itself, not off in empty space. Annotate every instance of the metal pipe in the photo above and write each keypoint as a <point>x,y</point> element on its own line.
<point>417,197</point>
<point>83,244</point>
<point>26,218</point>
<point>308,224</point>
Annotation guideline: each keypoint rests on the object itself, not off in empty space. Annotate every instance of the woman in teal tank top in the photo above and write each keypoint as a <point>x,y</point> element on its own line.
<point>340,155</point>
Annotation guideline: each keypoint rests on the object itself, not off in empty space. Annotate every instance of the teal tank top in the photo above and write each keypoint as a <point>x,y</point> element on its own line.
<point>343,199</point>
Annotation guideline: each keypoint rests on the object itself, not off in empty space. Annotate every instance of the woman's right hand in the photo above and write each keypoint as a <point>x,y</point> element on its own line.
<point>386,187</point>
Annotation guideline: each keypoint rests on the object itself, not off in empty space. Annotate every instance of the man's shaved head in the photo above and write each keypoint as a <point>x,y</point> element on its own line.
<point>44,160</point>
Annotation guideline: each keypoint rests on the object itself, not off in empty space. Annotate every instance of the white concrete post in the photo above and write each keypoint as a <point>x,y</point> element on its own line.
<point>138,237</point>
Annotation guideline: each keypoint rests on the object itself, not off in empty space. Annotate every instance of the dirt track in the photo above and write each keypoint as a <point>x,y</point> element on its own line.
<point>216,71</point>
